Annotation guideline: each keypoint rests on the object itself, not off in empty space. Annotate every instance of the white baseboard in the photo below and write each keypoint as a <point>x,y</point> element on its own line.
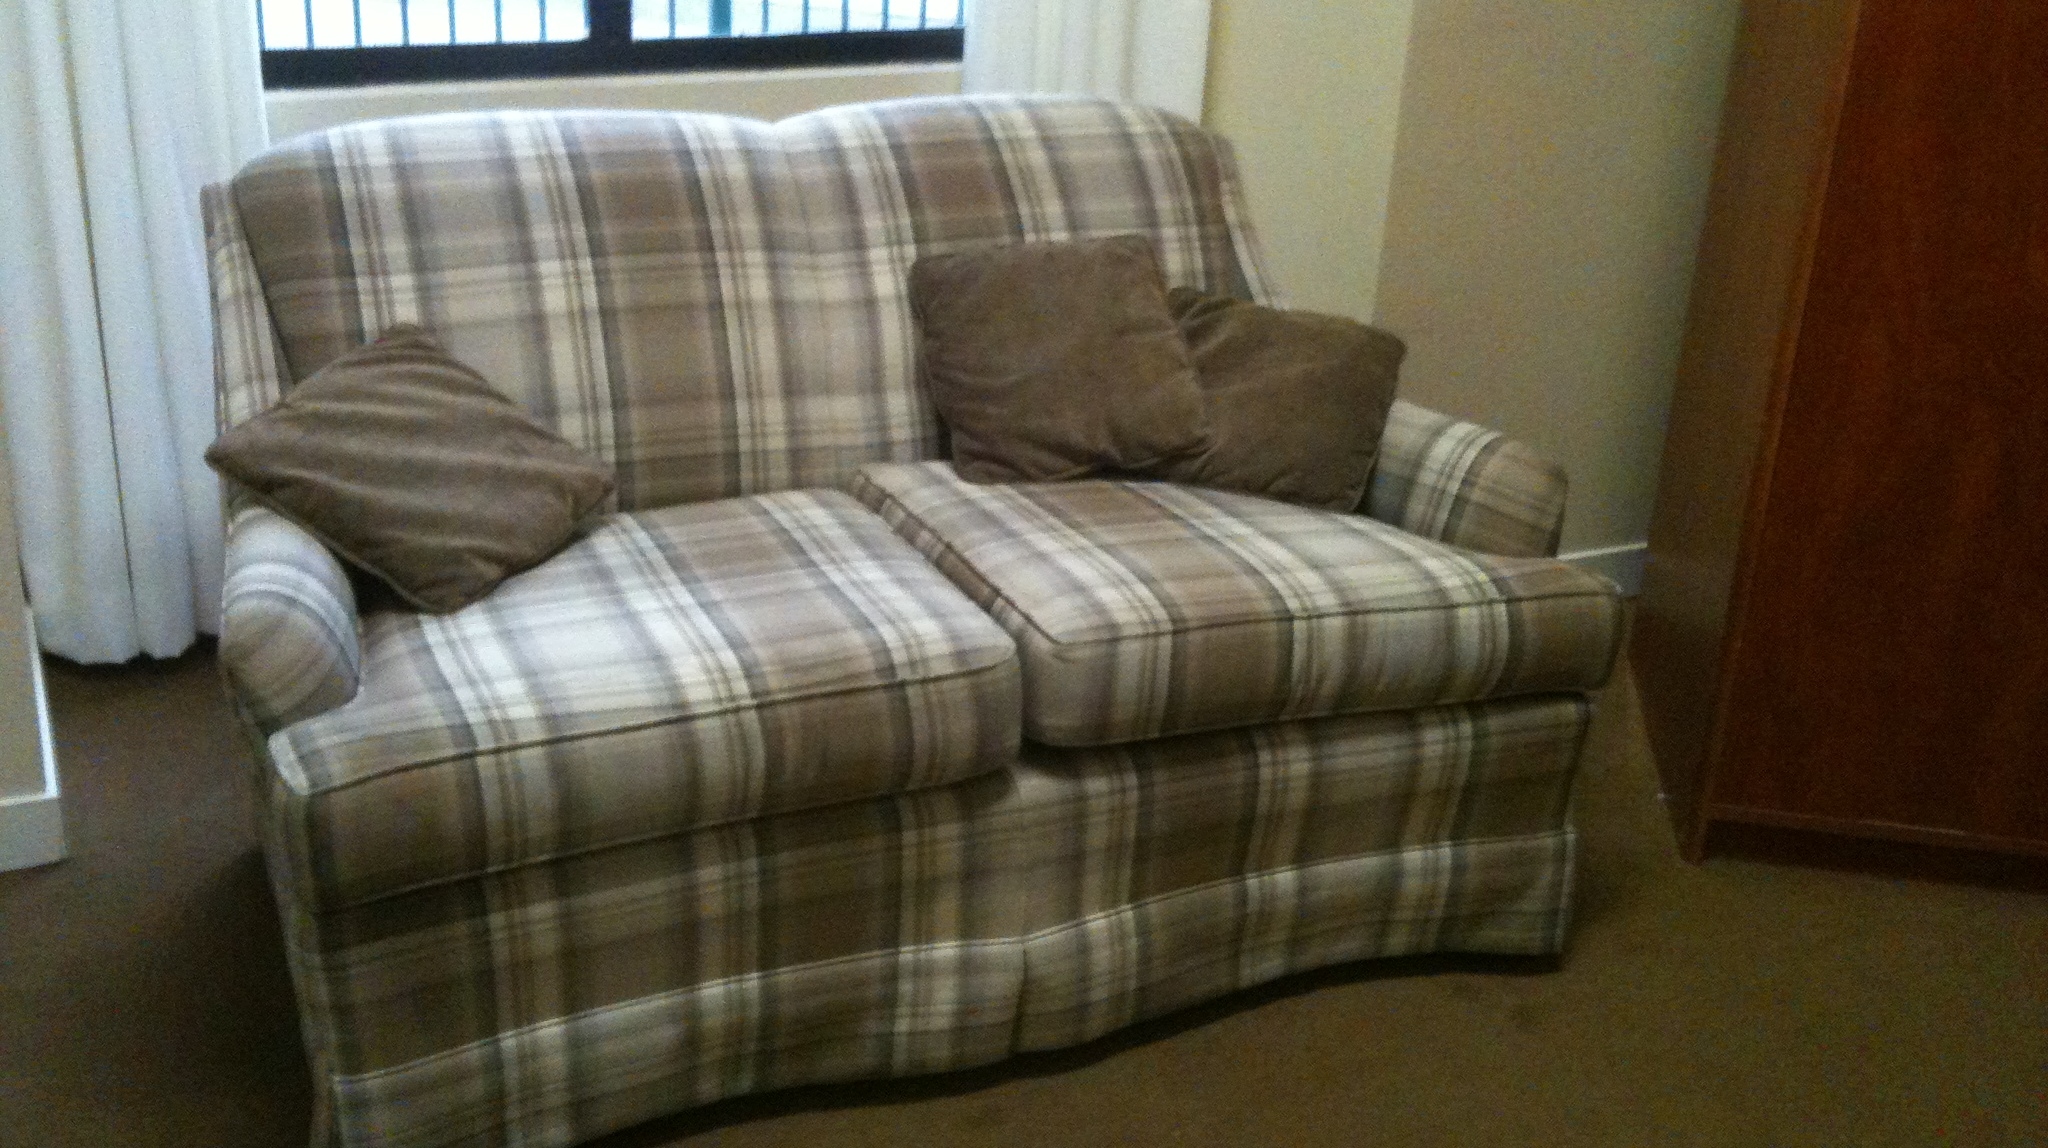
<point>1623,565</point>
<point>32,825</point>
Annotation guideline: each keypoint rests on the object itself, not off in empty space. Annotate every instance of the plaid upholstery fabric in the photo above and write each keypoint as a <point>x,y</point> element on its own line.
<point>247,366</point>
<point>288,621</point>
<point>1461,483</point>
<point>676,668</point>
<point>288,641</point>
<point>936,929</point>
<point>614,841</point>
<point>716,306</point>
<point>1143,609</point>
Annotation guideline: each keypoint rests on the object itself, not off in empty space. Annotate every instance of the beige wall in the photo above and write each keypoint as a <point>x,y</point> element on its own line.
<point>1514,186</point>
<point>1310,95</point>
<point>766,95</point>
<point>1549,181</point>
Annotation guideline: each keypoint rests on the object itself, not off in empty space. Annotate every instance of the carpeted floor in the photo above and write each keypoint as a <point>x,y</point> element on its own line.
<point>143,998</point>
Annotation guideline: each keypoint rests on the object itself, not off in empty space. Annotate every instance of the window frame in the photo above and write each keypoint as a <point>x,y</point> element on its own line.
<point>610,49</point>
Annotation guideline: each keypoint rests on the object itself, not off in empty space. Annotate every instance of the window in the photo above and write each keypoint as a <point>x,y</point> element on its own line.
<point>338,43</point>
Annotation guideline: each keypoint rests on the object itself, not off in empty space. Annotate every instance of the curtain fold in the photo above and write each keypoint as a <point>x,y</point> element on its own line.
<point>1148,51</point>
<point>118,112</point>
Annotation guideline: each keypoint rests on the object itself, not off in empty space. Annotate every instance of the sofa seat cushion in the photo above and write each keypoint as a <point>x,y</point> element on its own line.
<point>674,669</point>
<point>1143,609</point>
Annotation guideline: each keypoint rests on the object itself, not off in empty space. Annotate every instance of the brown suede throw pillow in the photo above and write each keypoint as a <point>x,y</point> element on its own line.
<point>1296,402</point>
<point>1056,360</point>
<point>407,463</point>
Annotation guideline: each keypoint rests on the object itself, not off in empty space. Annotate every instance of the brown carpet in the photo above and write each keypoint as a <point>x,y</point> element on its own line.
<point>143,998</point>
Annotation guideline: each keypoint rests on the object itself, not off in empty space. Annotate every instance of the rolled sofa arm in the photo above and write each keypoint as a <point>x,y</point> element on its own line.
<point>288,641</point>
<point>1464,484</point>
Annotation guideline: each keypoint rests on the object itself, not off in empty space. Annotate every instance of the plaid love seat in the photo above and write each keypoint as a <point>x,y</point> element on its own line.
<point>812,764</point>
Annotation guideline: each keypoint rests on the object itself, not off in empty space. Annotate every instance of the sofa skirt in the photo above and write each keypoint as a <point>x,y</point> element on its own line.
<point>1033,908</point>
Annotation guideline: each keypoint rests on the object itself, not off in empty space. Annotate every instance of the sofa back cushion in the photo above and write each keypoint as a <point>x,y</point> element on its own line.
<point>716,306</point>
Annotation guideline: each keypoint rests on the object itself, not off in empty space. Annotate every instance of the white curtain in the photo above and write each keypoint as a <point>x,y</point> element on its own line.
<point>1148,51</point>
<point>116,112</point>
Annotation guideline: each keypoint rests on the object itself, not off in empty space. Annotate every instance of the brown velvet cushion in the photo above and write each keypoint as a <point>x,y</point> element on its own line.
<point>410,465</point>
<point>1296,402</point>
<point>1056,360</point>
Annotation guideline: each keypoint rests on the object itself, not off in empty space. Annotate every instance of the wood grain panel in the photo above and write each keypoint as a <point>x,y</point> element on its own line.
<point>1828,848</point>
<point>1893,662</point>
<point>1777,127</point>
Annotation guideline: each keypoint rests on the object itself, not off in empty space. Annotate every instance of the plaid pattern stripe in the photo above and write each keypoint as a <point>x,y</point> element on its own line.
<point>673,669</point>
<point>716,306</point>
<point>935,929</point>
<point>1461,483</point>
<point>1094,976</point>
<point>1143,609</point>
<point>288,622</point>
<point>247,366</point>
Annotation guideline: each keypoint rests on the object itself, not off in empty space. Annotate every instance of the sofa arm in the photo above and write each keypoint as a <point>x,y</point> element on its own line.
<point>288,641</point>
<point>1461,483</point>
<point>249,373</point>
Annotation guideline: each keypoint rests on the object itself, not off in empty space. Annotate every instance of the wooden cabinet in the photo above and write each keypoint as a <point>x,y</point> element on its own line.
<point>1843,632</point>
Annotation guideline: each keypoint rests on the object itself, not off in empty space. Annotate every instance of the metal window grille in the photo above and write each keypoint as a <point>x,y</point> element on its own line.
<point>317,43</point>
